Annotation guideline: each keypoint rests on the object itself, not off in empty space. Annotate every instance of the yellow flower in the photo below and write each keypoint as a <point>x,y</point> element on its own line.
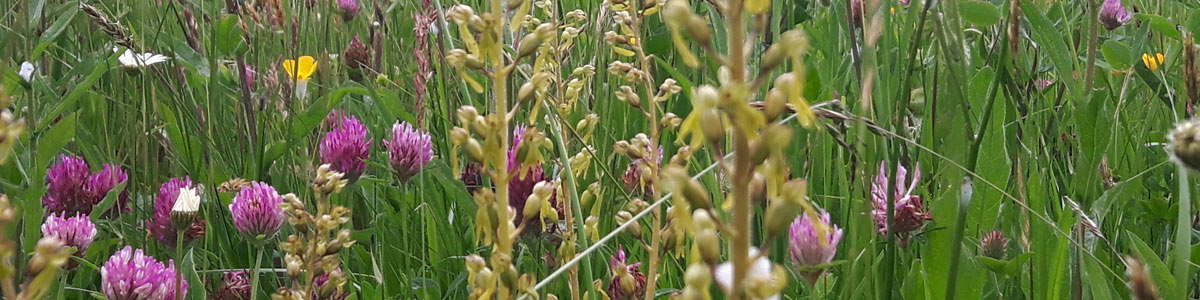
<point>1153,62</point>
<point>308,65</point>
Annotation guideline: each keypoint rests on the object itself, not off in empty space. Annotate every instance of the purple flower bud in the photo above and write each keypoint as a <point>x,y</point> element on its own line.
<point>349,9</point>
<point>409,150</point>
<point>256,211</point>
<point>357,56</point>
<point>160,225</point>
<point>346,147</point>
<point>65,182</point>
<point>77,231</point>
<point>250,74</point>
<point>235,285</point>
<point>627,282</point>
<point>1113,14</point>
<point>994,245</point>
<point>909,213</point>
<point>131,275</point>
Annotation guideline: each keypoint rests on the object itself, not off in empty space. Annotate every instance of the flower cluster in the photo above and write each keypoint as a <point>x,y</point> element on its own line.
<point>235,285</point>
<point>810,251</point>
<point>132,275</point>
<point>72,189</point>
<point>256,211</point>
<point>627,281</point>
<point>77,231</point>
<point>161,225</point>
<point>1113,14</point>
<point>346,147</point>
<point>908,211</point>
<point>409,150</point>
<point>313,251</point>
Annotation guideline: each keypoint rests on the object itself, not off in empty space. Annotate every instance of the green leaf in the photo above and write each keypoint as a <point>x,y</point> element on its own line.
<point>980,13</point>
<point>1052,42</point>
<point>54,139</point>
<point>60,24</point>
<point>98,69</point>
<point>1117,55</point>
<point>1161,24</point>
<point>109,200</point>
<point>195,290</point>
<point>1101,288</point>
<point>1158,270</point>
<point>228,36</point>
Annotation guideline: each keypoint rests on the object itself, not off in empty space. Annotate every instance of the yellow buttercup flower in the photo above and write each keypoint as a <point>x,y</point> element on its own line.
<point>1153,62</point>
<point>308,65</point>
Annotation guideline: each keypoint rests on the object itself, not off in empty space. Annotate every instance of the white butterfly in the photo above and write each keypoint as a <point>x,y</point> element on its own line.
<point>26,71</point>
<point>129,59</point>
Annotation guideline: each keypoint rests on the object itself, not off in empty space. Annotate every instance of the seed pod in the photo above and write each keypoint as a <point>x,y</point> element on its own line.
<point>712,127</point>
<point>776,104</point>
<point>529,44</point>
<point>699,30</point>
<point>526,92</point>
<point>709,244</point>
<point>779,215</point>
<point>773,57</point>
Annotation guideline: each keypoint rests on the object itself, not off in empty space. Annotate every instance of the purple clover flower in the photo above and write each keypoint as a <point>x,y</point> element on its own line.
<point>1113,14</point>
<point>909,213</point>
<point>346,147</point>
<point>409,150</point>
<point>131,275</point>
<point>256,211</point>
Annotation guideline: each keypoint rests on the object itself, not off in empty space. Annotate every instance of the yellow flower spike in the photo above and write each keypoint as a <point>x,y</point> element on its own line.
<point>521,11</point>
<point>471,81</point>
<point>685,51</point>
<point>468,38</point>
<point>308,66</point>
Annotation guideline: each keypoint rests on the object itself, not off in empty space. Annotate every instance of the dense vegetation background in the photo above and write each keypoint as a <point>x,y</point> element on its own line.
<point>1061,124</point>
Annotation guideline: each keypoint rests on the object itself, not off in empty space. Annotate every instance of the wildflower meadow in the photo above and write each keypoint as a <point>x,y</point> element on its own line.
<point>599,149</point>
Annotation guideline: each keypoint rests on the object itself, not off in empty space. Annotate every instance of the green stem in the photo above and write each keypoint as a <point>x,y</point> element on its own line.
<point>960,227</point>
<point>179,257</point>
<point>62,285</point>
<point>1183,235</point>
<point>254,273</point>
<point>576,208</point>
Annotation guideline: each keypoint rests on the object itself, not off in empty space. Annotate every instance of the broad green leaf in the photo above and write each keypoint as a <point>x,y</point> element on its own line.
<point>980,13</point>
<point>1100,286</point>
<point>195,290</point>
<point>1117,55</point>
<point>1160,24</point>
<point>1158,270</point>
<point>228,36</point>
<point>55,29</point>
<point>1051,42</point>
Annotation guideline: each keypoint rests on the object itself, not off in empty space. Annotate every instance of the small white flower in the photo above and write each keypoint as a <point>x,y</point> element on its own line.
<point>129,59</point>
<point>26,71</point>
<point>187,202</point>
<point>760,267</point>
